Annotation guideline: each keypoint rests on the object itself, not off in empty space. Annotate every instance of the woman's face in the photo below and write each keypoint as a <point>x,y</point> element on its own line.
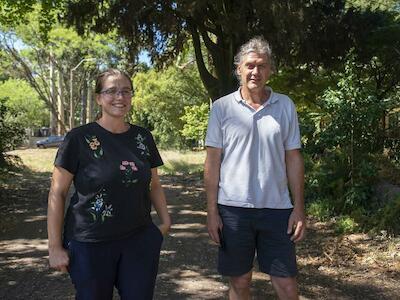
<point>115,97</point>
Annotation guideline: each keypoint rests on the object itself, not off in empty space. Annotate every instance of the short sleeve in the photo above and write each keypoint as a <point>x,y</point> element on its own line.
<point>293,140</point>
<point>214,130</point>
<point>155,157</point>
<point>68,154</point>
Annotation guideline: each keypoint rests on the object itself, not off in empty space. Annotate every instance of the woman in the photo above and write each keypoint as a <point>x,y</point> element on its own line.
<point>109,238</point>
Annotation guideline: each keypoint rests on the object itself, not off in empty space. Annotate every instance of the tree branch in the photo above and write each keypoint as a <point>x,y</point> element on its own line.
<point>209,81</point>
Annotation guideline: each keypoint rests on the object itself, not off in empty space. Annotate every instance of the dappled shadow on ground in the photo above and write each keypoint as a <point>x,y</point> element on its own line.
<point>24,272</point>
<point>331,267</point>
<point>187,267</point>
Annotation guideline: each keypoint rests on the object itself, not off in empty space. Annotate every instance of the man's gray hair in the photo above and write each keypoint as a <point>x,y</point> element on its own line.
<point>257,45</point>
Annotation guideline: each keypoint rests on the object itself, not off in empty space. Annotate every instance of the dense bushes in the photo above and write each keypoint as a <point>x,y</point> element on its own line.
<point>342,143</point>
<point>11,132</point>
<point>162,98</point>
<point>195,121</point>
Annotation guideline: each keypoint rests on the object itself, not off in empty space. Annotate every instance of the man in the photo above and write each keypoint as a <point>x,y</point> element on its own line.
<point>253,154</point>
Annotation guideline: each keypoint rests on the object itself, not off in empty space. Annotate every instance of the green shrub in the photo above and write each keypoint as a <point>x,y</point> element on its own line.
<point>388,218</point>
<point>320,209</point>
<point>195,123</point>
<point>345,224</point>
<point>11,131</point>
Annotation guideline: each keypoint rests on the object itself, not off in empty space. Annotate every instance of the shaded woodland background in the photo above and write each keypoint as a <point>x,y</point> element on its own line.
<point>331,265</point>
<point>338,60</point>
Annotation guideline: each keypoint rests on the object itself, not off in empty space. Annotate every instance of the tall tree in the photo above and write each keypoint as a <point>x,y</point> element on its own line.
<point>312,33</point>
<point>309,33</point>
<point>61,51</point>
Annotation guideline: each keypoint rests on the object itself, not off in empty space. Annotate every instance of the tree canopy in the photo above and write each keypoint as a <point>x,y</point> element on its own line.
<point>24,103</point>
<point>302,32</point>
<point>314,33</point>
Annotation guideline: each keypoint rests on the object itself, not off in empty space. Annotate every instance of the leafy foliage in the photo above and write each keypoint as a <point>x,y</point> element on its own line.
<point>195,123</point>
<point>23,102</point>
<point>338,60</point>
<point>63,51</point>
<point>346,135</point>
<point>221,27</point>
<point>11,131</point>
<point>345,224</point>
<point>387,218</point>
<point>159,101</point>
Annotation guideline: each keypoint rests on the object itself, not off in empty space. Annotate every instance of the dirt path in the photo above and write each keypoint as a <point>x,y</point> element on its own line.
<point>331,267</point>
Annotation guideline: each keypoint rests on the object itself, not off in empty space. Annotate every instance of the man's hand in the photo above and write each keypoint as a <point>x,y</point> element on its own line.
<point>297,222</point>
<point>59,259</point>
<point>213,224</point>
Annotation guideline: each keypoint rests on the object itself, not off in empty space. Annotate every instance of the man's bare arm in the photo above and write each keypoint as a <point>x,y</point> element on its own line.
<point>211,180</point>
<point>295,174</point>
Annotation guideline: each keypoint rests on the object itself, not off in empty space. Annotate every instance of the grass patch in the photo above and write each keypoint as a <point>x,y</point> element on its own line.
<point>182,162</point>
<point>345,225</point>
<point>37,160</point>
<point>175,162</point>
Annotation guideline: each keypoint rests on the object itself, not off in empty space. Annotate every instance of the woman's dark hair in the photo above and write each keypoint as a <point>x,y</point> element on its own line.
<point>110,72</point>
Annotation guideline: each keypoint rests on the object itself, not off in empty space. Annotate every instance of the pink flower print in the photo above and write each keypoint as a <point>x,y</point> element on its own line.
<point>128,168</point>
<point>133,166</point>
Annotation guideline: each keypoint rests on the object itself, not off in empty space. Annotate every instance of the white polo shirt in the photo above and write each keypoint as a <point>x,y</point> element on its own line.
<point>253,143</point>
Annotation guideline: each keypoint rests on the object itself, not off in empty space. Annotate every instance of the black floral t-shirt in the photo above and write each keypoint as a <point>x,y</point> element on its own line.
<point>112,174</point>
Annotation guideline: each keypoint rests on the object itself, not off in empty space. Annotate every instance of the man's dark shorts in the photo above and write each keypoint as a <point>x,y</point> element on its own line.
<point>247,230</point>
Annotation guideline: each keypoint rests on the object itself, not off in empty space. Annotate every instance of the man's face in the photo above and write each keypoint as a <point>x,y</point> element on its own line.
<point>254,71</point>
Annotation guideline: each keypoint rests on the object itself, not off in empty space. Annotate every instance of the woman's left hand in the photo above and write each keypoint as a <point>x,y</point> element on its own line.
<point>164,228</point>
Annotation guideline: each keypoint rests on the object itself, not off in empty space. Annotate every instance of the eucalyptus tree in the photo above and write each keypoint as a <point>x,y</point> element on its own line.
<point>49,62</point>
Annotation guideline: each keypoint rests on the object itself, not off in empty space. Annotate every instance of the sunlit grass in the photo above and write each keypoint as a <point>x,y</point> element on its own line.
<point>37,160</point>
<point>175,162</point>
<point>182,162</point>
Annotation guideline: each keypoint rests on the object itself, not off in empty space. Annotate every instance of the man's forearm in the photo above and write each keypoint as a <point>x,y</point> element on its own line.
<point>211,177</point>
<point>295,175</point>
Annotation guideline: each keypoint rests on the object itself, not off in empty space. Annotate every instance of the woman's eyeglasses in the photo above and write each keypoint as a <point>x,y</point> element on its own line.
<point>115,93</point>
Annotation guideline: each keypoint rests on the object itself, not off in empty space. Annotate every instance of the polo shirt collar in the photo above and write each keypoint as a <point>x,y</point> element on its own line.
<point>272,97</point>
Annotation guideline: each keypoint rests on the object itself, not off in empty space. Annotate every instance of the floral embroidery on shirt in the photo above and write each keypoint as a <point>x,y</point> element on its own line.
<point>128,168</point>
<point>141,145</point>
<point>94,145</point>
<point>100,210</point>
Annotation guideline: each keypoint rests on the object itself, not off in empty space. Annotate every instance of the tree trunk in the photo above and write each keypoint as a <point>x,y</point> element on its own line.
<point>53,98</point>
<point>60,102</point>
<point>71,101</point>
<point>90,100</point>
<point>84,102</point>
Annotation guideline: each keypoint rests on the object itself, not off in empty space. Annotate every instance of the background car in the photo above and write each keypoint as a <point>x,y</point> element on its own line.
<point>51,141</point>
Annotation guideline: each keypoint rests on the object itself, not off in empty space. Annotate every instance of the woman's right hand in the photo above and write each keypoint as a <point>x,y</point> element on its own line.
<point>59,259</point>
